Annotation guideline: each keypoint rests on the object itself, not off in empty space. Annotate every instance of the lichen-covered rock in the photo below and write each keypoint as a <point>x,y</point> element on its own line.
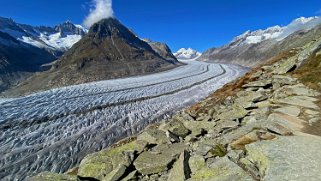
<point>285,66</point>
<point>116,174</point>
<point>180,170</point>
<point>247,99</point>
<point>289,110</point>
<point>259,83</point>
<point>301,101</point>
<point>48,176</point>
<point>221,170</point>
<point>154,136</point>
<point>292,158</point>
<point>175,127</point>
<point>198,127</point>
<point>159,159</point>
<point>130,177</point>
<point>196,162</point>
<point>236,112</point>
<point>100,164</point>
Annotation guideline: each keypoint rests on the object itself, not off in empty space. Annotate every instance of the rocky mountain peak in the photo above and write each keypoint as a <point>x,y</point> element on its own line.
<point>68,28</point>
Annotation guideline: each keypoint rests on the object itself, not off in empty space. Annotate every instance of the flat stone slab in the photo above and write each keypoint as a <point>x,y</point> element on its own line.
<point>221,170</point>
<point>259,83</point>
<point>294,158</point>
<point>289,110</point>
<point>159,159</point>
<point>301,101</point>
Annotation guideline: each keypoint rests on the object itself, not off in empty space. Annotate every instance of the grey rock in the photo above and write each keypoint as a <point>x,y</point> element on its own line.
<point>289,110</point>
<point>285,66</point>
<point>116,174</point>
<point>130,177</point>
<point>292,158</point>
<point>175,127</point>
<point>100,164</point>
<point>236,112</point>
<point>154,136</point>
<point>159,159</point>
<point>180,170</point>
<point>300,101</point>
<point>198,127</point>
<point>196,162</point>
<point>259,83</point>
<point>221,170</point>
<point>203,149</point>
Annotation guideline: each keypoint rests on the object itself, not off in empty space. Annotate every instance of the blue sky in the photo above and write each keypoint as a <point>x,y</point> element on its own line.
<point>199,24</point>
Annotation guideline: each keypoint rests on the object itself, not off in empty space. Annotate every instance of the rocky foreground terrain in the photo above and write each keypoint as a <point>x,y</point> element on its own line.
<point>263,126</point>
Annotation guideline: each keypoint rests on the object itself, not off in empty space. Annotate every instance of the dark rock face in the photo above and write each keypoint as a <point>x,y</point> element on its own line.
<point>108,51</point>
<point>19,60</point>
<point>69,28</point>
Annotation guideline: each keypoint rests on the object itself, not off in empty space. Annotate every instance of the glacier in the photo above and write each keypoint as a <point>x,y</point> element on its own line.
<point>55,129</point>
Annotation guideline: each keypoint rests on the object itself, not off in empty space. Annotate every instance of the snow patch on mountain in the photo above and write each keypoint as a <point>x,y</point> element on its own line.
<point>185,54</point>
<point>57,38</point>
<point>60,42</point>
<point>277,33</point>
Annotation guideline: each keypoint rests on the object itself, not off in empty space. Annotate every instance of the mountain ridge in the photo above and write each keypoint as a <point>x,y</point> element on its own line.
<point>108,51</point>
<point>252,48</point>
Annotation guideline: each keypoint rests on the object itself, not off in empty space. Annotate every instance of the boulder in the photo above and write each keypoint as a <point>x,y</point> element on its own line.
<point>198,127</point>
<point>236,112</point>
<point>116,174</point>
<point>48,176</point>
<point>180,170</point>
<point>154,136</point>
<point>159,159</point>
<point>285,66</point>
<point>289,110</point>
<point>130,177</point>
<point>175,127</point>
<point>196,162</point>
<point>292,158</point>
<point>99,165</point>
<point>283,80</point>
<point>259,83</point>
<point>300,101</point>
<point>221,170</point>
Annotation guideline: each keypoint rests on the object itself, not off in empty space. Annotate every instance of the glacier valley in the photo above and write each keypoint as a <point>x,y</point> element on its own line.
<point>55,129</point>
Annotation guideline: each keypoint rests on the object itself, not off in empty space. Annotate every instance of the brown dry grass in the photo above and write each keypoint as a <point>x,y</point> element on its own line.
<point>310,72</point>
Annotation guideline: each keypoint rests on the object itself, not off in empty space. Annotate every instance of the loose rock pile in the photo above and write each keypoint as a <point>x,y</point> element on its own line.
<point>257,134</point>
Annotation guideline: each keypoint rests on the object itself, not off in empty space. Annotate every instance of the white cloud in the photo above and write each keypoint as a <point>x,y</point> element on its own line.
<point>101,9</point>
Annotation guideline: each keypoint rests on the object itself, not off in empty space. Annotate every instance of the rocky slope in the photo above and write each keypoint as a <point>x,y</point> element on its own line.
<point>55,40</point>
<point>26,49</point>
<point>253,48</point>
<point>108,51</point>
<point>19,60</point>
<point>231,135</point>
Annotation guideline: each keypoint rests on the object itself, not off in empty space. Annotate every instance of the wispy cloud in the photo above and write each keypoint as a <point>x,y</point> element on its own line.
<point>100,9</point>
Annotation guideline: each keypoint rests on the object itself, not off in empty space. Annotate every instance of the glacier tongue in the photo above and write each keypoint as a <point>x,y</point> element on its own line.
<point>54,130</point>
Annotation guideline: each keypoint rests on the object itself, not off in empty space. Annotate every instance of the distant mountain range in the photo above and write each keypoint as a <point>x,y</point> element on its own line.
<point>109,50</point>
<point>252,48</point>
<point>186,54</point>
<point>25,49</point>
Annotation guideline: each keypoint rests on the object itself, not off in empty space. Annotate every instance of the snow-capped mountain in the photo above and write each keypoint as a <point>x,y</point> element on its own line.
<point>55,39</point>
<point>254,47</point>
<point>277,33</point>
<point>186,54</point>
